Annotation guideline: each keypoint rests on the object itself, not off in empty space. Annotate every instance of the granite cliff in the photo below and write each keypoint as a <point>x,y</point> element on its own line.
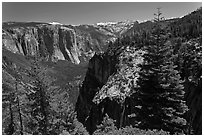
<point>108,88</point>
<point>53,42</point>
<point>110,83</point>
<point>57,41</point>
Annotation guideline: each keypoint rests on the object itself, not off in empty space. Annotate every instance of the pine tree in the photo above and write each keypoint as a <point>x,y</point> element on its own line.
<point>161,92</point>
<point>10,95</point>
<point>19,108</point>
<point>8,101</point>
<point>39,104</point>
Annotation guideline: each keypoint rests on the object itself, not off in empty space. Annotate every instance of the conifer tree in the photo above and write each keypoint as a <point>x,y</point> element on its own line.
<point>19,108</point>
<point>10,95</point>
<point>7,101</point>
<point>39,104</point>
<point>161,92</point>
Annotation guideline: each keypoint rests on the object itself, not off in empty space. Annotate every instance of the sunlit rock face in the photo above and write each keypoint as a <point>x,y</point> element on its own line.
<point>99,69</point>
<point>55,41</point>
<point>48,41</point>
<point>108,88</point>
<point>108,84</point>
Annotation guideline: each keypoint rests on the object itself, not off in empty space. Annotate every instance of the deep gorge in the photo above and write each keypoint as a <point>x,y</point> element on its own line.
<point>87,72</point>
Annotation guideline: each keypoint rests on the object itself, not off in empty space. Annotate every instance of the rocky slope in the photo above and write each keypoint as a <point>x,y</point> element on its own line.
<point>49,41</point>
<point>62,80</point>
<point>117,28</point>
<point>108,84</point>
<point>108,87</point>
<point>100,68</point>
<point>194,101</point>
<point>55,41</point>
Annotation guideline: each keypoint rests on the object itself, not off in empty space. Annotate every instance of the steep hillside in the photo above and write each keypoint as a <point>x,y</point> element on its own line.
<point>117,28</point>
<point>64,74</point>
<point>59,42</point>
<point>19,93</point>
<point>111,78</point>
<point>109,86</point>
<point>79,43</point>
<point>53,42</point>
<point>188,26</point>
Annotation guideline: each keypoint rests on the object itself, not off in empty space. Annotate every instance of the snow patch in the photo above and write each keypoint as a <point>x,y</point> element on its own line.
<point>106,23</point>
<point>55,23</point>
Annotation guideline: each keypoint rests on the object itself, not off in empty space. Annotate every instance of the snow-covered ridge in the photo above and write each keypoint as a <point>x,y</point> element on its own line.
<point>115,23</point>
<point>106,23</point>
<point>55,23</point>
<point>114,27</point>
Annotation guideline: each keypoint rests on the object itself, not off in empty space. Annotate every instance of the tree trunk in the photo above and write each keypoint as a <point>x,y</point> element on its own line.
<point>11,125</point>
<point>19,112</point>
<point>43,109</point>
<point>122,115</point>
<point>20,117</point>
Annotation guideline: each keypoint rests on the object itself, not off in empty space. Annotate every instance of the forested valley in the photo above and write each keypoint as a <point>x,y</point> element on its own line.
<point>144,81</point>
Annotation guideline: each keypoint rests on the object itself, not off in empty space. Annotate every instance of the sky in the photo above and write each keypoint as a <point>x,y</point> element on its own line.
<point>92,12</point>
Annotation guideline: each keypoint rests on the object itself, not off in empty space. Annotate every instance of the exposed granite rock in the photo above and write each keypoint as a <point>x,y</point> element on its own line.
<point>193,98</point>
<point>53,42</point>
<point>107,88</point>
<point>100,68</point>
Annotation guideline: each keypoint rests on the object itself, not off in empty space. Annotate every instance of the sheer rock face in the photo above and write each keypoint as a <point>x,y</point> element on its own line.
<point>103,75</point>
<point>100,68</point>
<point>96,97</point>
<point>56,41</point>
<point>193,99</point>
<point>53,42</point>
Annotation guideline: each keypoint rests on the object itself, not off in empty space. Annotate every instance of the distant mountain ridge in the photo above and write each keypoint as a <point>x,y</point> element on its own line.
<point>78,43</point>
<point>93,73</point>
<point>112,77</point>
<point>117,28</point>
<point>56,41</point>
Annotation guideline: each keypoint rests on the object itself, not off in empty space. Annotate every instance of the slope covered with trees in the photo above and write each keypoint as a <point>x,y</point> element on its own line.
<point>154,82</point>
<point>148,81</point>
<point>33,101</point>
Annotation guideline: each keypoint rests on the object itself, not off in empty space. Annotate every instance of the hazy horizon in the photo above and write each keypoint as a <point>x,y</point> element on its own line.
<point>92,12</point>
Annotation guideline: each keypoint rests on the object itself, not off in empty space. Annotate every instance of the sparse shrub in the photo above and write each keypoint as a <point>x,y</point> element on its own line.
<point>106,127</point>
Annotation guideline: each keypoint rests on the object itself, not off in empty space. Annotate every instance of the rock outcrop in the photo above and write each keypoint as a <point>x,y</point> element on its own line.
<point>100,68</point>
<point>53,42</point>
<point>193,98</point>
<point>107,88</point>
